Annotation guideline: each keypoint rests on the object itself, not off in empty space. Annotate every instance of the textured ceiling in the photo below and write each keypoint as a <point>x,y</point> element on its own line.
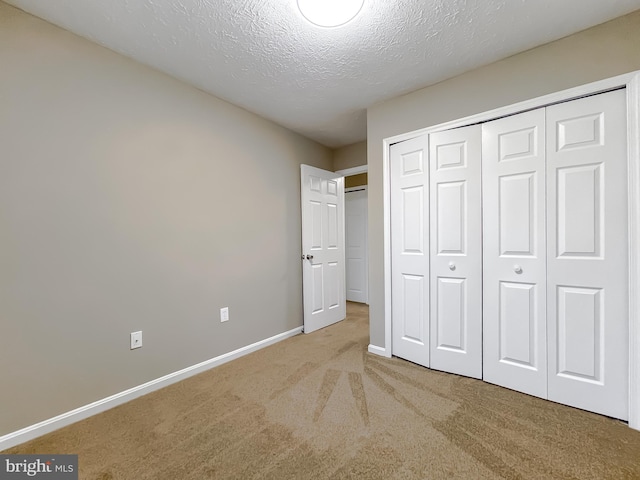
<point>264,56</point>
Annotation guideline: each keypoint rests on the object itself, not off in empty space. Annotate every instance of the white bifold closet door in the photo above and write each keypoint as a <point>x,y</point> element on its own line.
<point>456,251</point>
<point>510,252</point>
<point>514,253</point>
<point>410,249</point>
<point>587,259</point>
<point>555,235</point>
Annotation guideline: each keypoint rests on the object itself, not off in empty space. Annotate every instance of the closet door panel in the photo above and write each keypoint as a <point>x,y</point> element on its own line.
<point>514,254</point>
<point>588,254</point>
<point>410,250</point>
<point>456,251</point>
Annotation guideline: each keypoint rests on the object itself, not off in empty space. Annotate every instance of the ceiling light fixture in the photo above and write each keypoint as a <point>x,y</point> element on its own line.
<point>330,13</point>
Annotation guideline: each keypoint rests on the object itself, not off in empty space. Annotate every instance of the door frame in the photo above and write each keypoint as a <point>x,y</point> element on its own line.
<point>629,81</point>
<point>346,172</point>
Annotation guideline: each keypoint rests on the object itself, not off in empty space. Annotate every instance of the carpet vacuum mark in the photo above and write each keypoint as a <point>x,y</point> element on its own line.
<point>319,406</point>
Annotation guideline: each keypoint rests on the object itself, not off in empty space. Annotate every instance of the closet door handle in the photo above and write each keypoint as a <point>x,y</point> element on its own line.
<point>517,269</point>
<point>452,266</point>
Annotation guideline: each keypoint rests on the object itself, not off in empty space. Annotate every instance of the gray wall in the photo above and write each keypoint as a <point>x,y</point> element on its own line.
<point>131,201</point>
<point>354,155</point>
<point>604,51</point>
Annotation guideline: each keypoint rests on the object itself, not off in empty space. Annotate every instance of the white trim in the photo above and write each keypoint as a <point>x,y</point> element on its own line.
<point>630,81</point>
<point>377,350</point>
<point>46,426</point>
<point>353,171</point>
<point>633,127</point>
<point>386,212</point>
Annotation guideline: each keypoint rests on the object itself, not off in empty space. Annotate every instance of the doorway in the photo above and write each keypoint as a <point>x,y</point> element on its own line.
<point>356,243</point>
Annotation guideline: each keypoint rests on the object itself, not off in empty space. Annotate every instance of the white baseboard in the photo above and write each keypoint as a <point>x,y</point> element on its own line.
<point>46,426</point>
<point>378,350</point>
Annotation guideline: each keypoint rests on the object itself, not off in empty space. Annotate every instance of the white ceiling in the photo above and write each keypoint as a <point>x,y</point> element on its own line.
<point>264,56</point>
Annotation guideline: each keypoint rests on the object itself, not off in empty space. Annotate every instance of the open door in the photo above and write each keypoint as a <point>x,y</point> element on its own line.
<point>323,271</point>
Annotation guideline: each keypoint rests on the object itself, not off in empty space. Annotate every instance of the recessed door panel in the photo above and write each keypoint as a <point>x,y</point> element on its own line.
<point>354,279</point>
<point>516,215</point>
<point>451,314</point>
<point>579,132</point>
<point>514,291</point>
<point>410,250</point>
<point>518,144</point>
<point>315,184</point>
<point>580,333</point>
<point>580,210</point>
<point>332,188</point>
<point>451,217</point>
<point>587,287</point>
<point>317,288</point>
<point>412,324</point>
<point>412,163</point>
<point>413,228</point>
<point>332,226</point>
<point>450,155</point>
<point>456,251</point>
<point>316,224</point>
<point>333,284</point>
<point>518,340</point>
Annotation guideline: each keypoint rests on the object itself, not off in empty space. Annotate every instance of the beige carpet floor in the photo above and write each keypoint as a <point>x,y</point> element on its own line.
<point>319,406</point>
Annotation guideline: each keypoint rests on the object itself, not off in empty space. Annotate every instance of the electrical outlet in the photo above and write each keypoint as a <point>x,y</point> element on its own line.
<point>224,314</point>
<point>136,340</point>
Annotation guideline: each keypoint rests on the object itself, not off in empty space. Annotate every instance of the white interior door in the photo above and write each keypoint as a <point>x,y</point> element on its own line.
<point>456,250</point>
<point>322,195</point>
<point>587,254</point>
<point>356,245</point>
<point>514,253</point>
<point>410,249</point>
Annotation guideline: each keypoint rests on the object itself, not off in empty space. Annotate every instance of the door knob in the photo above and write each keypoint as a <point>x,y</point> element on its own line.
<point>309,257</point>
<point>452,266</point>
<point>517,269</point>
